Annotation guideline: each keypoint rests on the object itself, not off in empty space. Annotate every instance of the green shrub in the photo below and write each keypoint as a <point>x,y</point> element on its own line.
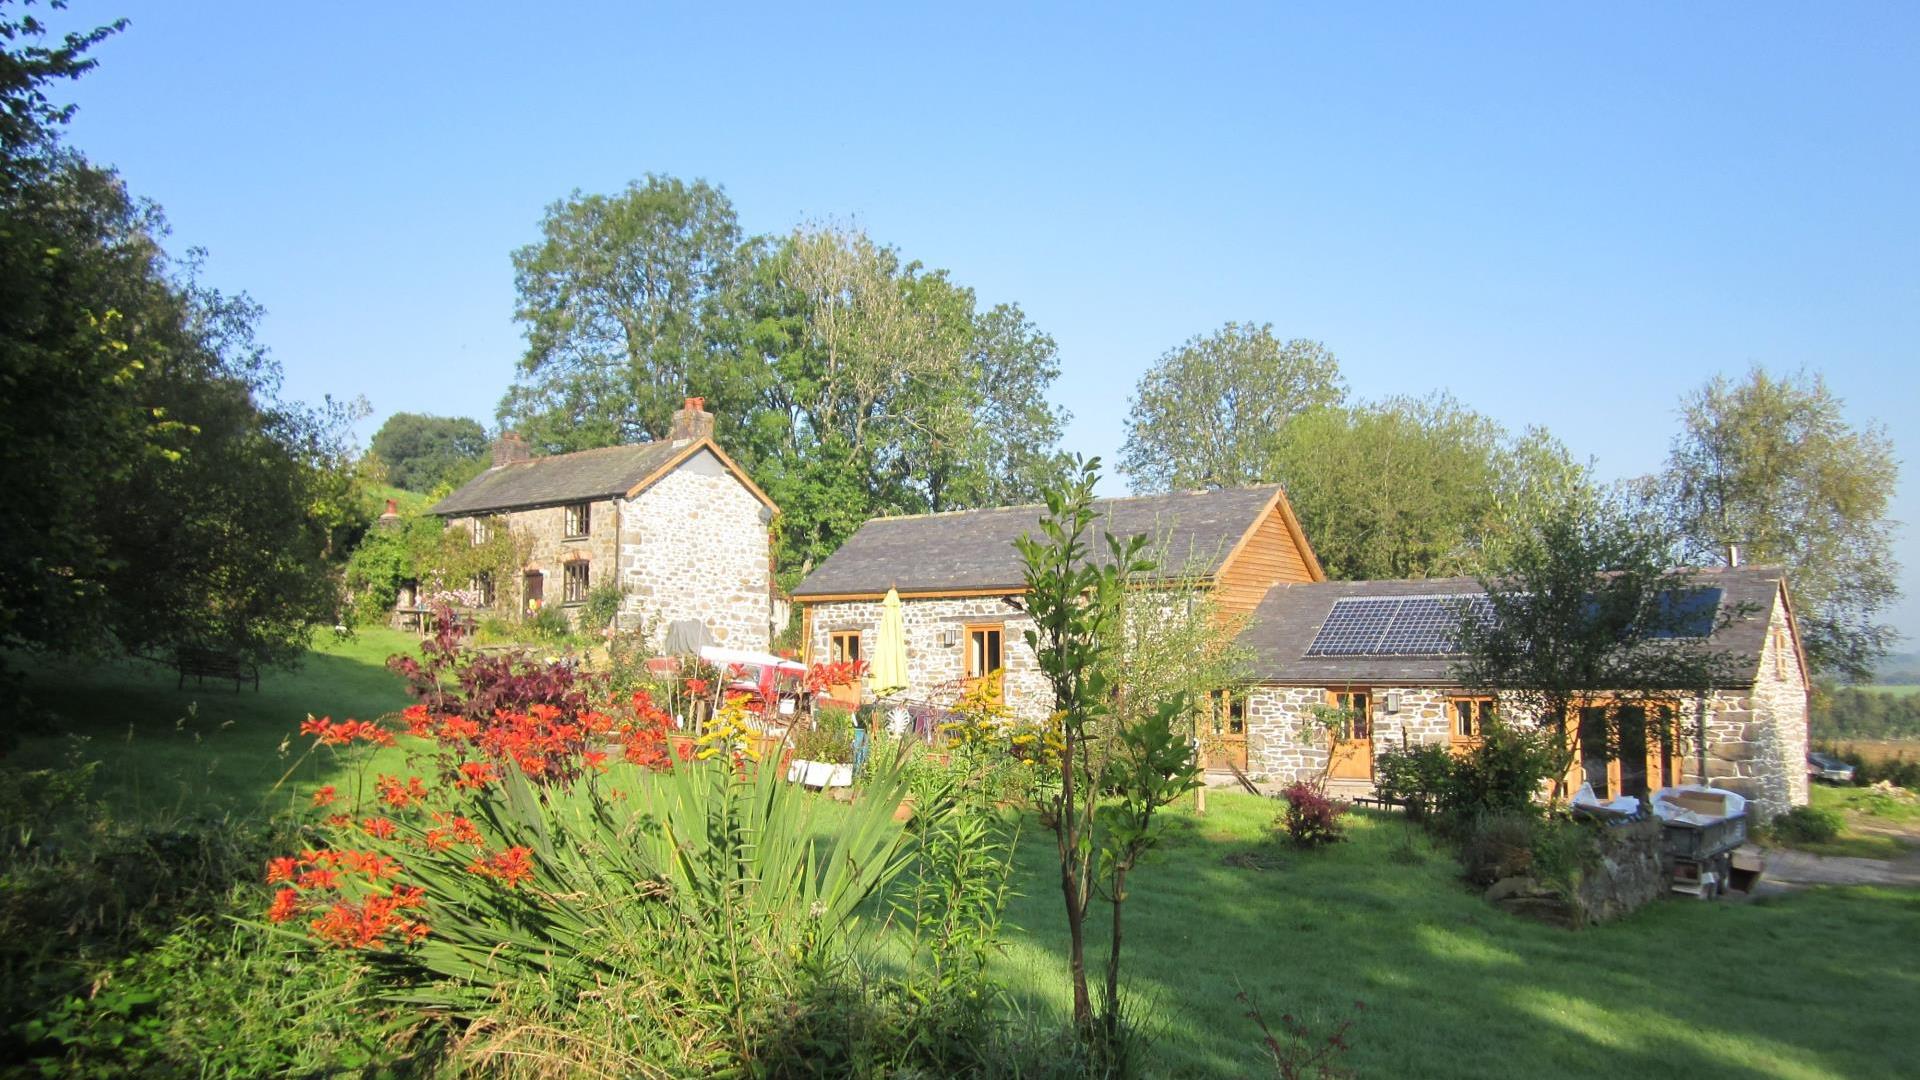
<point>829,739</point>
<point>1499,776</point>
<point>603,603</point>
<point>1417,777</point>
<point>1806,825</point>
<point>1550,850</point>
<point>548,624</point>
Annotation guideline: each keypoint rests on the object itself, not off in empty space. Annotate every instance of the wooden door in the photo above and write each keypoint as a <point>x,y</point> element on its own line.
<point>532,583</point>
<point>1352,739</point>
<point>1227,746</point>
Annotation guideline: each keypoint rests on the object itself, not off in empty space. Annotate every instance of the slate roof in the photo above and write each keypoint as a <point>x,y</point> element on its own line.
<point>1290,615</point>
<point>559,478</point>
<point>973,549</point>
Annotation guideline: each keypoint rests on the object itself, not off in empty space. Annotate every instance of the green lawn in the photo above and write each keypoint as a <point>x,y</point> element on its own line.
<point>1820,984</point>
<point>1867,813</point>
<point>202,748</point>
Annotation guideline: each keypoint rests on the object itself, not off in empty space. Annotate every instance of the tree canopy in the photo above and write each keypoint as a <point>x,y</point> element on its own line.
<point>1414,487</point>
<point>847,379</point>
<point>420,452</point>
<point>1210,412</point>
<point>1772,465</point>
<point>157,490</point>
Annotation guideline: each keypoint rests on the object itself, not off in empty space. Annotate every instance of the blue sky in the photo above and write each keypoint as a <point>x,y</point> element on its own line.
<point>1565,215</point>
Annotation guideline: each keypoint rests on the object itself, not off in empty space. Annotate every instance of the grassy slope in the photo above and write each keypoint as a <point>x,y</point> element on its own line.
<point>164,750</point>
<point>1816,985</point>
<point>1820,985</point>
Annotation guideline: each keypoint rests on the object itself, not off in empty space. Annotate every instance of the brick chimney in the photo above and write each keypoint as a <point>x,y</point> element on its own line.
<point>390,517</point>
<point>509,448</point>
<point>692,423</point>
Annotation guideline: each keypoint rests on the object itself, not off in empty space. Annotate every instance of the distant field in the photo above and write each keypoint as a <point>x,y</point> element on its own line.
<point>1877,750</point>
<point>1896,689</point>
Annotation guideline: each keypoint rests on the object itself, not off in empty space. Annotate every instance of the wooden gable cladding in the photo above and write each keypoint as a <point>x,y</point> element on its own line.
<point>1273,551</point>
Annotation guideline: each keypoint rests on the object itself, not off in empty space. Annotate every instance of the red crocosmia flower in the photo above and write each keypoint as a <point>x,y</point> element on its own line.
<point>286,904</point>
<point>318,878</point>
<point>465,833</point>
<point>377,827</point>
<point>546,714</point>
<point>371,863</point>
<point>509,867</point>
<point>340,821</point>
<point>325,796</point>
<point>398,795</point>
<point>419,721</point>
<point>685,750</point>
<point>595,760</point>
<point>282,869</point>
<point>458,728</point>
<point>475,774</point>
<point>436,839</point>
<point>697,687</point>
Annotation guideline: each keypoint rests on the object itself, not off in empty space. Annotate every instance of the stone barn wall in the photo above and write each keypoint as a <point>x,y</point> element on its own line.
<point>934,668</point>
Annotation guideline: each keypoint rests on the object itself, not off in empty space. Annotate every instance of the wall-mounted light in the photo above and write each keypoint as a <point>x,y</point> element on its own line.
<point>949,636</point>
<point>1393,701</point>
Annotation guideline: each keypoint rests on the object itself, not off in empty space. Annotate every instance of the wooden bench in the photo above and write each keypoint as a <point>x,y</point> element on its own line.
<point>204,664</point>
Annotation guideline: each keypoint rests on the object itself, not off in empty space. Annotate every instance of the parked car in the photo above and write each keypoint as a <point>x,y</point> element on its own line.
<point>1829,768</point>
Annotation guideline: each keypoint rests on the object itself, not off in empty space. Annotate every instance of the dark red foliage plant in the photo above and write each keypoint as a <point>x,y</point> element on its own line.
<point>1311,819</point>
<point>453,679</point>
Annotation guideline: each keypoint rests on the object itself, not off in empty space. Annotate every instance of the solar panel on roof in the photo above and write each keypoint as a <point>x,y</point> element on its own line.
<point>1395,626</point>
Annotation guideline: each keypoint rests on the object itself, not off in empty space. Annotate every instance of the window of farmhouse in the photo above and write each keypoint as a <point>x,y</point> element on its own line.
<point>1470,717</point>
<point>483,588</point>
<point>579,519</point>
<point>480,531</point>
<point>575,584</point>
<point>844,647</point>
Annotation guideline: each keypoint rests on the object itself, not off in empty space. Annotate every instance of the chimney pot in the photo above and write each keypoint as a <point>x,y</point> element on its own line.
<point>509,448</point>
<point>693,422</point>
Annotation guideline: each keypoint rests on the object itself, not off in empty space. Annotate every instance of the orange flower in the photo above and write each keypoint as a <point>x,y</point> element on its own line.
<point>476,774</point>
<point>318,878</point>
<point>398,795</point>
<point>465,833</point>
<point>325,796</point>
<point>340,821</point>
<point>282,869</point>
<point>286,904</point>
<point>377,827</point>
<point>509,867</point>
<point>595,759</point>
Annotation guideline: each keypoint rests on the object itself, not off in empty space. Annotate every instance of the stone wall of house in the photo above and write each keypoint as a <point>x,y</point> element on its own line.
<point>1757,738</point>
<point>552,549</point>
<point>935,669</point>
<point>1285,743</point>
<point>695,546</point>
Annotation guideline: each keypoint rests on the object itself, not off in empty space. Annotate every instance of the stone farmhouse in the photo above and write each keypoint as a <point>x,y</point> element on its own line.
<point>1376,650</point>
<point>675,523</point>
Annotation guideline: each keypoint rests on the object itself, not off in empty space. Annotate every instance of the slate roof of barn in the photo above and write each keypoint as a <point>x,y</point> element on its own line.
<point>969,550</point>
<point>1290,616</point>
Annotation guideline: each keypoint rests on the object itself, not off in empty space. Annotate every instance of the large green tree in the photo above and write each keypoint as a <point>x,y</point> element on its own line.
<point>421,451</point>
<point>1412,487</point>
<point>1772,465</point>
<point>848,380</point>
<point>156,489</point>
<point>1211,412</point>
<point>623,299</point>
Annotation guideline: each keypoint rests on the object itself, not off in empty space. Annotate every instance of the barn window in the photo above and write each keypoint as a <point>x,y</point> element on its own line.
<point>1470,717</point>
<point>579,519</point>
<point>844,647</point>
<point>574,585</point>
